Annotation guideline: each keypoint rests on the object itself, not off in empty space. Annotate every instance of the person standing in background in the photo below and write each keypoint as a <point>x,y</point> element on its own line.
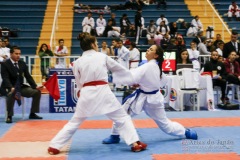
<point>138,24</point>
<point>61,51</point>
<point>43,52</point>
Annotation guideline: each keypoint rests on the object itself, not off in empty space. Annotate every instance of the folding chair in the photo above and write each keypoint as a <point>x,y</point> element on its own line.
<point>188,79</point>
<point>234,88</point>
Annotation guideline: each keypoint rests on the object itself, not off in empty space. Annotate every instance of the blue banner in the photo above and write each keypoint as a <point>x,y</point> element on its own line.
<point>68,92</point>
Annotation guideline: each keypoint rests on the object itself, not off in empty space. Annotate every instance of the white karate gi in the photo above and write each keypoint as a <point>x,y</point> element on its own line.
<point>193,56</point>
<point>197,24</point>
<point>134,57</point>
<point>159,20</point>
<point>148,77</point>
<point>101,24</point>
<point>4,52</point>
<point>88,24</point>
<point>96,100</point>
<point>61,61</point>
<point>123,56</point>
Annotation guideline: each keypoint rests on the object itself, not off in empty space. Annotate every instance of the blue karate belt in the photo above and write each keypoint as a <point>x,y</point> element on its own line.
<point>194,59</point>
<point>137,92</point>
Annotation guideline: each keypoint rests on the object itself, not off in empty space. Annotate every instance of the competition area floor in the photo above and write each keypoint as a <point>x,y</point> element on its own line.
<point>218,133</point>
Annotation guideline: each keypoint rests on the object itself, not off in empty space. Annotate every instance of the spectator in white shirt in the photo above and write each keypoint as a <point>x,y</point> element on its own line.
<point>88,23</point>
<point>4,51</point>
<point>61,51</point>
<point>233,10</point>
<point>134,56</point>
<point>197,23</point>
<point>162,18</point>
<point>101,24</point>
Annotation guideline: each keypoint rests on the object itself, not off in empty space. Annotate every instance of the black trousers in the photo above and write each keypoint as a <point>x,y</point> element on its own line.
<point>233,79</point>
<point>25,92</point>
<point>222,83</point>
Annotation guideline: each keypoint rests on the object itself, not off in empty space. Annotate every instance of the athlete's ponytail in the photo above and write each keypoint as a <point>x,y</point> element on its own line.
<point>160,59</point>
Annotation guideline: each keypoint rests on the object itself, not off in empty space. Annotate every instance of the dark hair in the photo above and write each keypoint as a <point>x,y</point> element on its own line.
<point>13,48</point>
<point>234,33</point>
<point>160,59</point>
<point>115,39</point>
<point>40,49</point>
<point>133,44</point>
<point>60,40</point>
<point>86,41</point>
<point>179,60</point>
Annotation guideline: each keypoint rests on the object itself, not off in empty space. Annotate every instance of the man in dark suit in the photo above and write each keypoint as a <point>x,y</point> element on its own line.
<point>13,71</point>
<point>233,45</point>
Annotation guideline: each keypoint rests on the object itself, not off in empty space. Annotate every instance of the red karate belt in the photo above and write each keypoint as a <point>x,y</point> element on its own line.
<point>94,83</point>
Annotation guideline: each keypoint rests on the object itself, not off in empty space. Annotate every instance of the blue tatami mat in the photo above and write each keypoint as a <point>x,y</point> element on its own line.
<point>86,144</point>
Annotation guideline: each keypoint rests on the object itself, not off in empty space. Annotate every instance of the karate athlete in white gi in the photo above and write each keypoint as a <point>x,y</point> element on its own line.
<point>96,97</point>
<point>148,97</point>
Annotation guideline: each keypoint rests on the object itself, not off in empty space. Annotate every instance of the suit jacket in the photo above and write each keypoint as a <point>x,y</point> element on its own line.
<point>228,47</point>
<point>236,68</point>
<point>10,74</point>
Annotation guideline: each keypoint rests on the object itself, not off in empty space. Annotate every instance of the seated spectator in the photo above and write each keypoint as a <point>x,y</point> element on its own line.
<point>165,41</point>
<point>218,39</point>
<point>88,23</point>
<point>232,68</point>
<point>6,41</point>
<point>126,26</point>
<point>198,38</point>
<point>193,55</point>
<point>172,45</point>
<point>180,44</point>
<point>162,18</point>
<point>114,24</point>
<point>61,51</point>
<point>134,56</point>
<point>184,57</point>
<point>210,46</point>
<point>197,23</point>
<point>44,51</point>
<point>101,24</point>
<point>110,31</point>
<point>163,3</point>
<point>221,59</point>
<point>218,71</point>
<point>173,29</point>
<point>203,50</point>
<point>233,10</point>
<point>4,51</point>
<point>163,28</point>
<point>105,48</point>
<point>151,32</point>
<point>114,47</point>
<point>219,49</point>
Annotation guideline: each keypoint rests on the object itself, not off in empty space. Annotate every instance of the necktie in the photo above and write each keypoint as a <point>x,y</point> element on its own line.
<point>234,45</point>
<point>17,93</point>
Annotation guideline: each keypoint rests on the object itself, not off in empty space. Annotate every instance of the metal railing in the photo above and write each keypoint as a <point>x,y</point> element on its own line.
<point>49,62</point>
<point>55,25</point>
<point>224,26</point>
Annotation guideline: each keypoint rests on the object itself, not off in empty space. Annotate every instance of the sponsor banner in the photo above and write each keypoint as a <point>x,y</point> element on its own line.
<point>68,92</point>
